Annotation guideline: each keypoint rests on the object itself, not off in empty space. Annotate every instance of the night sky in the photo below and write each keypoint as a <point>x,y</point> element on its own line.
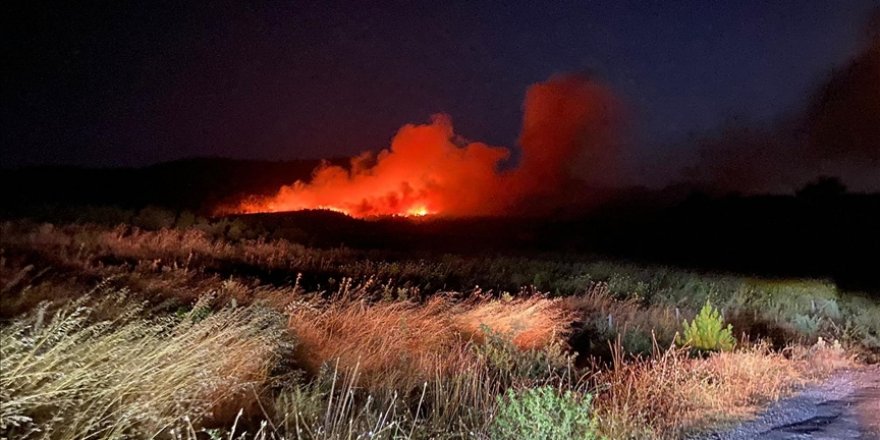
<point>134,83</point>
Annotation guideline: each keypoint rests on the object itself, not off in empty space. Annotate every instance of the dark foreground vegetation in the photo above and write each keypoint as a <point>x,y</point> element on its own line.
<point>209,329</point>
<point>819,230</point>
<point>128,310</point>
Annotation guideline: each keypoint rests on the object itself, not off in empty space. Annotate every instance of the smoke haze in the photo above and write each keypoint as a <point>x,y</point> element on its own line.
<point>838,134</point>
<point>570,139</point>
<point>569,122</point>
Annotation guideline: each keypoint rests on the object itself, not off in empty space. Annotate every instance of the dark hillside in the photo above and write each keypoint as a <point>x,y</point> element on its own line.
<point>197,185</point>
<point>821,231</point>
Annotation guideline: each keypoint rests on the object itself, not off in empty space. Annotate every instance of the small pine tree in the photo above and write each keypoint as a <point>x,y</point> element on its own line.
<point>707,332</point>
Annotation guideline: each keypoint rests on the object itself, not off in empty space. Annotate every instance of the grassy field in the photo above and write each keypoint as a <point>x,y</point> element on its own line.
<point>198,332</point>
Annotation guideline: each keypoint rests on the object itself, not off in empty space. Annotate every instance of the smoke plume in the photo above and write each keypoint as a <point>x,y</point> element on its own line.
<point>428,169</point>
<point>570,130</point>
<point>837,134</point>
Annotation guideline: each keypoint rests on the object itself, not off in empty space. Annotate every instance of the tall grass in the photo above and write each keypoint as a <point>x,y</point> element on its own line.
<point>782,309</point>
<point>69,377</point>
<point>407,343</point>
<point>283,341</point>
<point>671,394</point>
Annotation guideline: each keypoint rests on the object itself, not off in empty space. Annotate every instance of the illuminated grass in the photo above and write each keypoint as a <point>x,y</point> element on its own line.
<point>325,344</point>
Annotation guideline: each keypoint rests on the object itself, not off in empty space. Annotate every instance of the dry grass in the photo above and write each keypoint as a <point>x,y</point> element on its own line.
<point>822,358</point>
<point>530,323</point>
<point>598,303</point>
<point>407,343</point>
<point>670,393</point>
<point>335,406</point>
<point>375,360</point>
<point>396,369</point>
<point>386,340</point>
<point>605,318</point>
<point>79,245</point>
<point>68,377</point>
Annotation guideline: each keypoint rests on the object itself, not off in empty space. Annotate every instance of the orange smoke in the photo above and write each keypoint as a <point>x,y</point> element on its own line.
<point>428,170</point>
<point>424,172</point>
<point>569,131</point>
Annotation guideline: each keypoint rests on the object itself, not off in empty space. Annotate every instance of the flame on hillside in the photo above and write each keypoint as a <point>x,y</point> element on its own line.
<point>429,170</point>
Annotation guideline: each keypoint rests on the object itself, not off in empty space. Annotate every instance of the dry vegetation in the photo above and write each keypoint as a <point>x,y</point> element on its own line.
<point>111,333</point>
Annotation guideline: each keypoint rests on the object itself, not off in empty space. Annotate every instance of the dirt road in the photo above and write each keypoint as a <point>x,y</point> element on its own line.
<point>845,406</point>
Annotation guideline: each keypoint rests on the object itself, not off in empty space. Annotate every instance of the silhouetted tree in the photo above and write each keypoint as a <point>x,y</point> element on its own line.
<point>824,187</point>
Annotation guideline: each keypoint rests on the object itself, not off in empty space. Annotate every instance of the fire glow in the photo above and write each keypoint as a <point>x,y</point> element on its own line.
<point>430,171</point>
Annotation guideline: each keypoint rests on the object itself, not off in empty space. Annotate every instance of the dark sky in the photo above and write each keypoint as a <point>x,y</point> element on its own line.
<point>133,83</point>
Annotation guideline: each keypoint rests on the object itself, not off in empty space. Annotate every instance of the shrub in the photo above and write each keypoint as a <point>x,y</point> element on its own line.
<point>185,220</point>
<point>806,325</point>
<point>543,413</point>
<point>605,319</point>
<point>864,327</point>
<point>707,332</point>
<point>154,218</point>
<point>510,363</point>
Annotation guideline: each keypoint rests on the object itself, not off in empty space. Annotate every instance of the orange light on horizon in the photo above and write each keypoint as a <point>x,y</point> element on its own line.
<point>418,211</point>
<point>429,170</point>
<point>252,208</point>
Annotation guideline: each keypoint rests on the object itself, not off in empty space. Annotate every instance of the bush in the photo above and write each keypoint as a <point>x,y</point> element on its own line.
<point>806,325</point>
<point>510,363</point>
<point>542,413</point>
<point>707,332</point>
<point>185,220</point>
<point>154,218</point>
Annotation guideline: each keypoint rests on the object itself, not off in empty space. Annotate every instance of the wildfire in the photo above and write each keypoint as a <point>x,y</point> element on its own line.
<point>418,211</point>
<point>429,170</point>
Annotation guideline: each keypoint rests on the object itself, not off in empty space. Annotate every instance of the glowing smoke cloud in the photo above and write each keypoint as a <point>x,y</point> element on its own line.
<point>427,170</point>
